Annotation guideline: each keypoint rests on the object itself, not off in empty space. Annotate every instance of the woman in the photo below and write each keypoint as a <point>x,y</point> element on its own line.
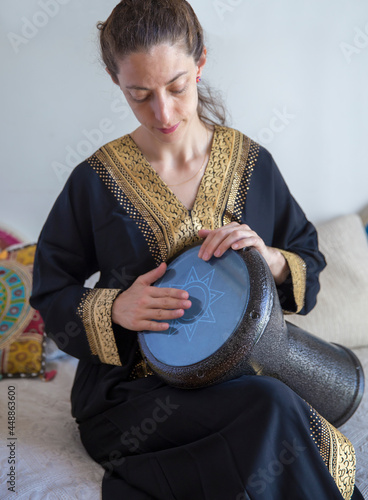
<point>179,178</point>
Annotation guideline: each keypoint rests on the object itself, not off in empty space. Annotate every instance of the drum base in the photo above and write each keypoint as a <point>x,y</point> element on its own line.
<point>328,376</point>
<point>236,327</point>
<point>359,388</point>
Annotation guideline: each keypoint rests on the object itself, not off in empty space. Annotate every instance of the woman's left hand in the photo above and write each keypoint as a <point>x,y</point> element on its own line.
<point>237,236</point>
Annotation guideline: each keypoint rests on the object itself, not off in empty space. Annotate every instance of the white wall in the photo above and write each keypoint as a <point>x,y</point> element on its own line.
<point>303,60</point>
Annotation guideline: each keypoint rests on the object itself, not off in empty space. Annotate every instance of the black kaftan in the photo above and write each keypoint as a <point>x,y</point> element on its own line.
<point>248,438</point>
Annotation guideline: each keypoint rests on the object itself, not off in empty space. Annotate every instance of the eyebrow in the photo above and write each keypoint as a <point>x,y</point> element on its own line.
<point>137,87</point>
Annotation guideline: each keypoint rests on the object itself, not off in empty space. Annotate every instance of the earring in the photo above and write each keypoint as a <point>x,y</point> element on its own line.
<point>198,79</point>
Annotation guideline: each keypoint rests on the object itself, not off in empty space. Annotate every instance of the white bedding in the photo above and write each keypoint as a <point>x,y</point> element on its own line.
<point>51,463</point>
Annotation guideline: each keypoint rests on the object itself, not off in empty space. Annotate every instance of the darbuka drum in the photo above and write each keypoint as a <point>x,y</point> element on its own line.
<point>236,327</point>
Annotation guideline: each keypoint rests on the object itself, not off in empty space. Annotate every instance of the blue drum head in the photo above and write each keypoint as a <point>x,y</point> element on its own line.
<point>219,291</point>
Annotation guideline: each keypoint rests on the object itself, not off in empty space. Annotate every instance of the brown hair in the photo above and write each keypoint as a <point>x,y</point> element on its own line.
<point>136,25</point>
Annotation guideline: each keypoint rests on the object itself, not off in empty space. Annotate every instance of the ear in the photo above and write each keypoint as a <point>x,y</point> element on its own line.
<point>202,61</point>
<point>113,77</point>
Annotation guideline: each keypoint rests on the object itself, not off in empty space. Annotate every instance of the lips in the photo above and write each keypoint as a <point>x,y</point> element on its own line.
<point>169,130</point>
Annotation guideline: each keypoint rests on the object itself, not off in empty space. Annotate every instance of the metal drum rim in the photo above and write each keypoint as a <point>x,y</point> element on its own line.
<point>359,388</point>
<point>188,376</point>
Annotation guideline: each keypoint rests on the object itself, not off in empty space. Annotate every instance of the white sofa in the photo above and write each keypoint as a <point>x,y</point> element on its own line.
<point>51,463</point>
<point>341,313</point>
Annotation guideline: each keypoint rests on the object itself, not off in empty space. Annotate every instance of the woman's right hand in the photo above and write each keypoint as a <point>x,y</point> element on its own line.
<point>143,307</point>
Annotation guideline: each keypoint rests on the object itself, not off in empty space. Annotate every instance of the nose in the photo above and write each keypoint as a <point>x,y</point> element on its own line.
<point>161,109</point>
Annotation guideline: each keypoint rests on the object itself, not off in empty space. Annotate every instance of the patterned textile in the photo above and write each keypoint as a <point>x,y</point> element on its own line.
<point>7,238</point>
<point>22,339</point>
<point>15,282</point>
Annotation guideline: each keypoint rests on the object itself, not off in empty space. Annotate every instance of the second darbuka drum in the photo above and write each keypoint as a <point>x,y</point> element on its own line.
<point>236,327</point>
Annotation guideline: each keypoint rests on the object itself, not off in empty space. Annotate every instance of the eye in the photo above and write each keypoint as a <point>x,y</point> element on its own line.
<point>140,100</point>
<point>139,97</point>
<point>180,91</point>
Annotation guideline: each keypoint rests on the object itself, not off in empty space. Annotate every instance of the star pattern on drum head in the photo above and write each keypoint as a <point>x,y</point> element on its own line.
<point>202,297</point>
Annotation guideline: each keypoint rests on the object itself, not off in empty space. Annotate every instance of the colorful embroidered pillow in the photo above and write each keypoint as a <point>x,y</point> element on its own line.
<point>22,339</point>
<point>7,238</point>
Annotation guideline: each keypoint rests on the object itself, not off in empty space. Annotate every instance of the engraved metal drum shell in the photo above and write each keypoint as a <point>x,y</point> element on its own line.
<point>328,376</point>
<point>233,358</point>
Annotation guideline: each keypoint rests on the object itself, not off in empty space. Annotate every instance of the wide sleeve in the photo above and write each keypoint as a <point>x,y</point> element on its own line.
<point>77,318</point>
<point>274,214</point>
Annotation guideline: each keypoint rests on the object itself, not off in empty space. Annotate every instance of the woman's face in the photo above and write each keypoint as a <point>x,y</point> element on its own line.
<point>160,87</point>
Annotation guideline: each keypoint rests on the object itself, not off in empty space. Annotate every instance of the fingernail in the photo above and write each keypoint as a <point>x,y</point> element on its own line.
<point>205,256</point>
<point>217,253</point>
<point>235,246</point>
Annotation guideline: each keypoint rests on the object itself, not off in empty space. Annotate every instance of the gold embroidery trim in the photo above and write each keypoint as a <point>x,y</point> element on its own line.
<point>336,451</point>
<point>141,369</point>
<point>166,217</point>
<point>298,270</point>
<point>117,181</point>
<point>95,312</point>
<point>166,224</point>
<point>241,148</point>
<point>248,155</point>
<point>217,182</point>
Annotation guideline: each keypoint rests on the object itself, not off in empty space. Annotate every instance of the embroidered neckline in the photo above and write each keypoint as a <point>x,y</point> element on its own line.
<point>207,171</point>
<point>167,225</point>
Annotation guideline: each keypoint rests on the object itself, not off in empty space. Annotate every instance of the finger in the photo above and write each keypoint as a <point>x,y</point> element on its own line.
<point>203,233</point>
<point>239,238</point>
<point>153,275</point>
<point>153,326</point>
<point>173,293</point>
<point>251,241</point>
<point>157,320</point>
<point>154,317</point>
<point>164,314</point>
<point>218,242</point>
<point>170,303</point>
<point>164,302</point>
<point>213,239</point>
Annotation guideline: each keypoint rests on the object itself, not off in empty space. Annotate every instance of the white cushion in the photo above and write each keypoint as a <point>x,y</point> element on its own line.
<point>341,313</point>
